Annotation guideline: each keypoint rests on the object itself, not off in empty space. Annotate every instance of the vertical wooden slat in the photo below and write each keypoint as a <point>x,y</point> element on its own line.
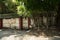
<point>1,23</point>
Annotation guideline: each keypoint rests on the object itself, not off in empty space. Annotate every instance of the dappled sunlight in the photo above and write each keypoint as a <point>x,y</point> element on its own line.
<point>19,35</point>
<point>27,37</point>
<point>43,38</point>
<point>11,37</point>
<point>14,1</point>
<point>24,35</point>
<point>0,30</point>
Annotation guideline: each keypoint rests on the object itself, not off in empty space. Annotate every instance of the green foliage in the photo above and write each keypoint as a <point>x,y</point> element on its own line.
<point>30,7</point>
<point>21,9</point>
<point>42,4</point>
<point>15,6</point>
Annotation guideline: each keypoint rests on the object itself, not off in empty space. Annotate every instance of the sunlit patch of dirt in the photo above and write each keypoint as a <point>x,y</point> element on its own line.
<point>27,37</point>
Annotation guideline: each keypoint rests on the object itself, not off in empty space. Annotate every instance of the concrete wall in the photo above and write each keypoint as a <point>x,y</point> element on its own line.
<point>11,23</point>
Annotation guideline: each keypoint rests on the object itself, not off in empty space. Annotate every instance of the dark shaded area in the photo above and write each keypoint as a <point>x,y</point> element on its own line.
<point>58,18</point>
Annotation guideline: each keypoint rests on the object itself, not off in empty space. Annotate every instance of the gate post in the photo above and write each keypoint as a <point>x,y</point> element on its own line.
<point>21,23</point>
<point>1,23</point>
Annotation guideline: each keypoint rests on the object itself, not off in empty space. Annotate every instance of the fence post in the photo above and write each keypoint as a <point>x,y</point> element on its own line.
<point>29,22</point>
<point>21,23</point>
<point>1,23</point>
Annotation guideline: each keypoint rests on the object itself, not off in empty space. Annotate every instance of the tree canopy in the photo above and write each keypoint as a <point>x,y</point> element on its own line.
<point>42,4</point>
<point>39,6</point>
<point>29,7</point>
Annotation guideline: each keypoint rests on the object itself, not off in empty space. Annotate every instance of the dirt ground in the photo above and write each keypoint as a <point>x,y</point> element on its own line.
<point>10,34</point>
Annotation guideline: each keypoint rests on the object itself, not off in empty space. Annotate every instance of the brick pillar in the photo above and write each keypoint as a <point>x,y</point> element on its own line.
<point>1,23</point>
<point>29,22</point>
<point>21,23</point>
